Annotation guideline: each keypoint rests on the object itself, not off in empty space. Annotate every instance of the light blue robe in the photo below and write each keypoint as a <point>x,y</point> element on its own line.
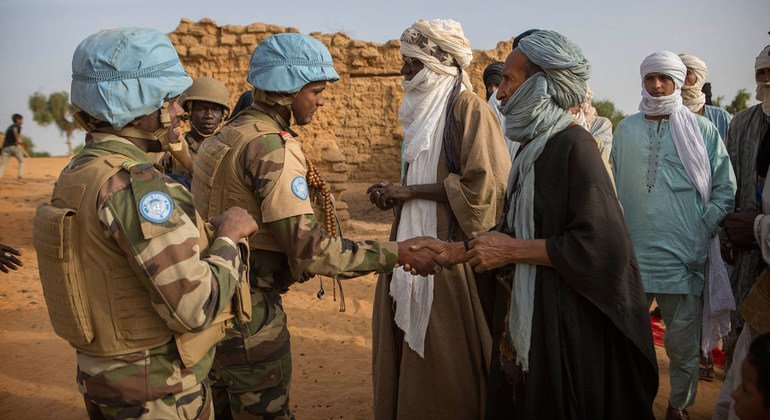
<point>670,226</point>
<point>720,118</point>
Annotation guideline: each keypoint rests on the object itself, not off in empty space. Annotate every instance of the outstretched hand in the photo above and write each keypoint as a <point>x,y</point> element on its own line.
<point>423,260</point>
<point>490,250</point>
<point>8,258</point>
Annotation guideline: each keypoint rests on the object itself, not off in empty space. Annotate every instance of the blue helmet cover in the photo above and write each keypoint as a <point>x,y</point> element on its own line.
<point>286,62</point>
<point>122,74</point>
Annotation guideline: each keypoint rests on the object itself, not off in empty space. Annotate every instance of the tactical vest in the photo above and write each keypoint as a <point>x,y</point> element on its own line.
<point>217,184</point>
<point>95,300</point>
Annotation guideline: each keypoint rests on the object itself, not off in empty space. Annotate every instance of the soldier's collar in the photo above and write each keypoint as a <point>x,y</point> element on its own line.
<point>118,145</point>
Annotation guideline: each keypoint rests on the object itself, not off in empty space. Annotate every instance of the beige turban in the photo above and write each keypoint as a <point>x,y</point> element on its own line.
<point>692,96</point>
<point>440,44</point>
<point>763,89</point>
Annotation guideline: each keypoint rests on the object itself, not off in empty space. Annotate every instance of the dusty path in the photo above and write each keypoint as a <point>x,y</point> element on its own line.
<point>332,350</point>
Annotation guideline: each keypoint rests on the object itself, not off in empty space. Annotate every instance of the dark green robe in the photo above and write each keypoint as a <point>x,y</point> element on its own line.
<point>592,354</point>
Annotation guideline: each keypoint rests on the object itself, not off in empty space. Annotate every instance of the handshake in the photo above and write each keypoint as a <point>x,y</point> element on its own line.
<point>424,255</point>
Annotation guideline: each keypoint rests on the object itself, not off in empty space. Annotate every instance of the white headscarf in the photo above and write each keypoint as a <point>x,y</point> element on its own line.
<point>441,46</point>
<point>693,96</point>
<point>763,89</point>
<point>691,149</point>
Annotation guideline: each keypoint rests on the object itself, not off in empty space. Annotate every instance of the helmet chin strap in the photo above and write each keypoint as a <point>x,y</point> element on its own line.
<point>284,100</point>
<point>159,135</point>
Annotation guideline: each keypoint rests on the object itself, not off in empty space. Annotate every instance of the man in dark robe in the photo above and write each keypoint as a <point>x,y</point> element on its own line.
<point>572,338</point>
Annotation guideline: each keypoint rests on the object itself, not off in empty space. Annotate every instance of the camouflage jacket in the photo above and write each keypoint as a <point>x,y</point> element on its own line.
<point>306,246</point>
<point>187,290</point>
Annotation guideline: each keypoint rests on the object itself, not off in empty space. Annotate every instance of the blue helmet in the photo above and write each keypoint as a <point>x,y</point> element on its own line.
<point>286,62</point>
<point>121,74</point>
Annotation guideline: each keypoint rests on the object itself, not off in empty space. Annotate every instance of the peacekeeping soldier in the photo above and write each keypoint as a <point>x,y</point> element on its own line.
<point>256,162</point>
<point>206,105</point>
<point>132,278</point>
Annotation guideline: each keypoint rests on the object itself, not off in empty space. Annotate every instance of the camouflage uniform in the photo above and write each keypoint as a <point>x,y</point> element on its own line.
<point>254,361</point>
<point>186,290</point>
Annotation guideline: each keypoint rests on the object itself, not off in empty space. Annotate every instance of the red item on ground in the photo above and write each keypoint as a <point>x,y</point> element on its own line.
<point>658,329</point>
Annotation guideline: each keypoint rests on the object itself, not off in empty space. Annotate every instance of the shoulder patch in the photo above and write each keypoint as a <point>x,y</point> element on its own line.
<point>156,206</point>
<point>299,187</point>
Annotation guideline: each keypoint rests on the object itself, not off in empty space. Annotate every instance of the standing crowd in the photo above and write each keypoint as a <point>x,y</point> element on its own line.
<point>528,244</point>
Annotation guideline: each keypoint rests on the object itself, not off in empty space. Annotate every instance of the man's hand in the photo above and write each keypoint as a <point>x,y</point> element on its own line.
<point>450,253</point>
<point>385,195</point>
<point>306,276</point>
<point>8,258</point>
<point>423,261</point>
<point>490,250</point>
<point>235,223</point>
<point>738,229</point>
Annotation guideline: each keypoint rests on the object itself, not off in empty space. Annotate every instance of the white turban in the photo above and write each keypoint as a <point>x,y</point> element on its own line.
<point>763,89</point>
<point>692,96</point>
<point>440,44</point>
<point>442,47</point>
<point>669,64</point>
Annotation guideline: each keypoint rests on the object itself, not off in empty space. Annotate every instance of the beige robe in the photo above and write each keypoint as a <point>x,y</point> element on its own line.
<point>450,382</point>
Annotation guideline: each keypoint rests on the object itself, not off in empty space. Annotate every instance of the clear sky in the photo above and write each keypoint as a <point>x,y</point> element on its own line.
<point>38,37</point>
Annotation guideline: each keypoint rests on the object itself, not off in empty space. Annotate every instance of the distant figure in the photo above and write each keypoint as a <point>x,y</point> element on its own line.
<point>206,105</point>
<point>8,260</point>
<point>492,78</point>
<point>694,98</point>
<point>599,127</point>
<point>13,145</point>
<point>493,75</point>
<point>706,89</point>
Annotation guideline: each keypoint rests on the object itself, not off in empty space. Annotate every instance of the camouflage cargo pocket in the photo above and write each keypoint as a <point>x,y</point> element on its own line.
<point>253,377</point>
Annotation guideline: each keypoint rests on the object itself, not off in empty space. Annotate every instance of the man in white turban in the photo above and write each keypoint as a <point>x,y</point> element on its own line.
<point>746,237</point>
<point>571,330</point>
<point>431,340</point>
<point>694,98</point>
<point>675,182</point>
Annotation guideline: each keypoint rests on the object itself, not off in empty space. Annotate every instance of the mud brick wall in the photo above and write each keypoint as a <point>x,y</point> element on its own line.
<point>356,136</point>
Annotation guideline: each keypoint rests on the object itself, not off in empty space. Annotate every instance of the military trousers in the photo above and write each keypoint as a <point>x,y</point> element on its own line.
<point>251,376</point>
<point>192,403</point>
<point>682,315</point>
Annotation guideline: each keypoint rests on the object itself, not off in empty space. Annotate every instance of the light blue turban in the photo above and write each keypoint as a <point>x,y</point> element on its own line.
<point>285,63</point>
<point>563,63</point>
<point>121,74</point>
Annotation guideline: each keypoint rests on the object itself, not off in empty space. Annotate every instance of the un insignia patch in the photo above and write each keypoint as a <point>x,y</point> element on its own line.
<point>156,206</point>
<point>299,187</point>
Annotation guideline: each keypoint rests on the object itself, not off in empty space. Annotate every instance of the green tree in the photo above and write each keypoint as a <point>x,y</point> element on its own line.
<point>739,103</point>
<point>55,109</point>
<point>607,109</point>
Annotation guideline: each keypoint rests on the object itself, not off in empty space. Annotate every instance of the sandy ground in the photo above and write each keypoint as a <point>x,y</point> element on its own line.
<point>332,350</point>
